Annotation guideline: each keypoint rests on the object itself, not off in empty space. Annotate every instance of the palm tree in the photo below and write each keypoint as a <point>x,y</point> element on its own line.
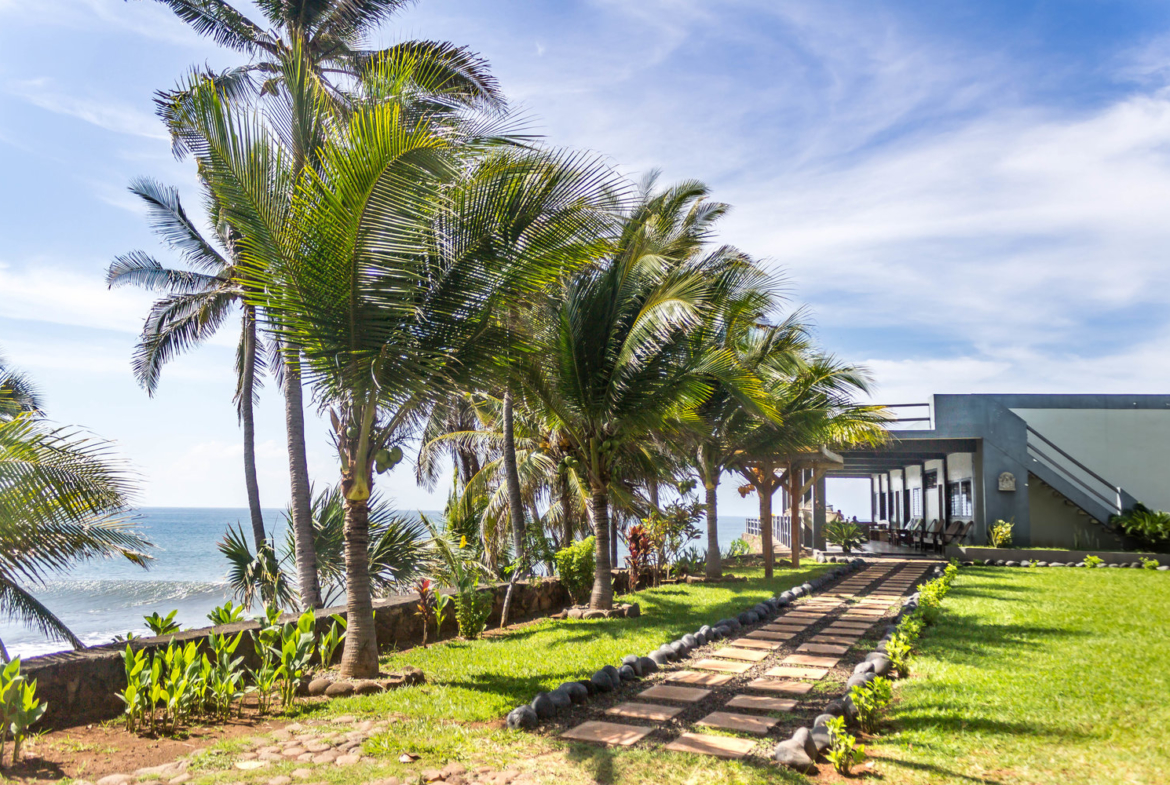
<point>816,408</point>
<point>309,67</point>
<point>198,300</point>
<point>613,368</point>
<point>64,498</point>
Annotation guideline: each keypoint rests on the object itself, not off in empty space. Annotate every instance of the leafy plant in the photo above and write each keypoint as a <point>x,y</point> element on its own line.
<point>137,692</point>
<point>898,649</point>
<point>266,643</point>
<point>871,700</point>
<point>19,707</point>
<point>327,645</point>
<point>738,547</point>
<point>425,609</point>
<point>1093,561</point>
<point>227,613</point>
<point>1140,522</point>
<point>162,625</point>
<point>846,534</point>
<point>638,543</point>
<point>296,652</point>
<point>844,752</point>
<point>225,675</point>
<point>1149,564</point>
<point>462,571</point>
<point>1000,534</point>
<point>575,567</point>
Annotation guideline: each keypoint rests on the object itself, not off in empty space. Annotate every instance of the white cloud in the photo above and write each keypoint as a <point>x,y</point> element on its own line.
<point>43,293</point>
<point>104,112</point>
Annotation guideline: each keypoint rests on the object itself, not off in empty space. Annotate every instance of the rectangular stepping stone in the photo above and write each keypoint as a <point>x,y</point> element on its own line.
<point>705,744</point>
<point>788,672</point>
<point>822,648</point>
<point>780,687</point>
<point>723,666</point>
<point>611,733</point>
<point>700,679</point>
<point>787,626</point>
<point>752,643</point>
<point>644,711</point>
<point>746,655</point>
<point>760,703</point>
<point>841,640</point>
<point>808,659</point>
<point>807,616</point>
<point>769,635</point>
<point>866,612</point>
<point>743,723</point>
<point>665,692</point>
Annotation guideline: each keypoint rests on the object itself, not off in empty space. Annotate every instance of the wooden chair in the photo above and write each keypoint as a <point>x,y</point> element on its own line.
<point>949,534</point>
<point>907,535</point>
<point>928,535</point>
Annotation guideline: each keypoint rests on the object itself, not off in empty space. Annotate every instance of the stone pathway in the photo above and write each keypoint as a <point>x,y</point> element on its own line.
<point>776,666</point>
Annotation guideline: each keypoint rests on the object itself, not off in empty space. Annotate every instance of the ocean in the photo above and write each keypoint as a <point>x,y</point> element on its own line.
<point>103,598</point>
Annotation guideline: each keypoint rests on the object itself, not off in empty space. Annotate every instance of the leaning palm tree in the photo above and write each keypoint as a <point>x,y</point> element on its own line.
<point>817,411</point>
<point>64,498</point>
<point>198,299</point>
<point>613,368</point>
<point>309,68</point>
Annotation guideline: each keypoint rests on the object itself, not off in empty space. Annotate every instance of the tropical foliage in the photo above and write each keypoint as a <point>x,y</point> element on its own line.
<point>64,498</point>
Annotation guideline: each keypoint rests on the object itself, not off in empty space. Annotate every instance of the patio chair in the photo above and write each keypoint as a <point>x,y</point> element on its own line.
<point>949,534</point>
<point>906,536</point>
<point>928,535</point>
<point>963,532</point>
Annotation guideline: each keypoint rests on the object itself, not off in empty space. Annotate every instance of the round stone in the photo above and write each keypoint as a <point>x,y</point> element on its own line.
<point>629,659</point>
<point>318,686</point>
<point>543,705</point>
<point>649,665</point>
<point>690,640</point>
<point>590,687</point>
<point>803,737</point>
<point>602,682</point>
<point>658,658</point>
<point>575,690</point>
<point>863,667</point>
<point>339,689</point>
<point>790,754</point>
<point>560,700</point>
<point>627,673</point>
<point>522,718</point>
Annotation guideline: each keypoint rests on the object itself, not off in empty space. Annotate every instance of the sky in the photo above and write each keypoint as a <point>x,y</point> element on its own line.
<point>969,196</point>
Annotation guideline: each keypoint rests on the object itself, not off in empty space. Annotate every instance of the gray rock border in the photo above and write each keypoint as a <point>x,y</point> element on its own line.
<point>634,668</point>
<point>1136,565</point>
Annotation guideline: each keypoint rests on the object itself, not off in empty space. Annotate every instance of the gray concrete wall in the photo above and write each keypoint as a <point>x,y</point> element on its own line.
<point>1057,525</point>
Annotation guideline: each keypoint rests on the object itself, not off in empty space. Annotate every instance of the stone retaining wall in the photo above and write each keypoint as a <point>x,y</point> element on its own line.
<point>81,686</point>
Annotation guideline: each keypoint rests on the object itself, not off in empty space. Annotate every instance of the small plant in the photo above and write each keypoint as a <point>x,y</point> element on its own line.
<point>1150,526</point>
<point>1149,564</point>
<point>225,676</point>
<point>871,700</point>
<point>898,649</point>
<point>461,570</point>
<point>639,546</point>
<point>162,625</point>
<point>294,655</point>
<point>846,534</point>
<point>738,547</point>
<point>327,645</point>
<point>226,614</point>
<point>137,692</point>
<point>1093,561</point>
<point>127,638</point>
<point>575,567</point>
<point>844,752</point>
<point>25,711</point>
<point>266,643</point>
<point>1000,535</point>
<point>425,609</point>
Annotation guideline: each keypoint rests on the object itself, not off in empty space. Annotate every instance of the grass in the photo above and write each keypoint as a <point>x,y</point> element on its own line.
<point>1038,676</point>
<point>482,680</point>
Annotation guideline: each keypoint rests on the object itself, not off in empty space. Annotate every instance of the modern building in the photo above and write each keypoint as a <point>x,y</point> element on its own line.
<point>1057,466</point>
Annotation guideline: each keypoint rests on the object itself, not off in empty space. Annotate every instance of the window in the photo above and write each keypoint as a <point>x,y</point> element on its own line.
<point>915,502</point>
<point>962,500</point>
<point>930,479</point>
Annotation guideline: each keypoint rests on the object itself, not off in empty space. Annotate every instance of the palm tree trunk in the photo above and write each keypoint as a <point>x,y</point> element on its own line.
<point>247,417</point>
<point>512,478</point>
<point>714,558</point>
<point>298,472</point>
<point>652,492</point>
<point>765,490</point>
<point>566,512</point>
<point>602,596</point>
<point>360,656</point>
<point>613,542</point>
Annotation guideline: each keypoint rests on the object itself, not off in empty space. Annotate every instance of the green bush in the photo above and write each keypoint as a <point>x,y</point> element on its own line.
<point>1140,522</point>
<point>871,700</point>
<point>738,547</point>
<point>844,752</point>
<point>1093,561</point>
<point>1000,535</point>
<point>575,567</point>
<point>845,534</point>
<point>1150,564</point>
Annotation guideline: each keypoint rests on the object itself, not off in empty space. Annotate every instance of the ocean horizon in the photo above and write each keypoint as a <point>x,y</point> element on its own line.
<point>101,599</point>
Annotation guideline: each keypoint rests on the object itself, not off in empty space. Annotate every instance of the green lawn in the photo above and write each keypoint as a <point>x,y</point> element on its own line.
<point>1039,676</point>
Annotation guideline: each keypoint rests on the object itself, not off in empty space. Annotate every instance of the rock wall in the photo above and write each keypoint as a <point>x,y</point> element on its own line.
<point>81,686</point>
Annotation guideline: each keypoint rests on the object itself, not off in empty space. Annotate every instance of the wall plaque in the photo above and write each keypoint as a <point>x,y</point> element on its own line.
<point>1007,481</point>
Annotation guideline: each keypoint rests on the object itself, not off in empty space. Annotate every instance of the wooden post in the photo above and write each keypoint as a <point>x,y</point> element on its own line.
<point>794,512</point>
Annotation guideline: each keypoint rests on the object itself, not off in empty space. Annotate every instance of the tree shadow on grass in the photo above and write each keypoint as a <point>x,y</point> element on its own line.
<point>962,639</point>
<point>939,771</point>
<point>942,716</point>
<point>598,763</point>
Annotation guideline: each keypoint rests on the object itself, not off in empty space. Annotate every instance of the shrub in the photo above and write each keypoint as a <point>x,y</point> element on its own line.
<point>1140,522</point>
<point>871,700</point>
<point>738,547</point>
<point>162,625</point>
<point>295,653</point>
<point>1149,564</point>
<point>226,614</point>
<point>845,534</point>
<point>898,649</point>
<point>1093,561</point>
<point>844,752</point>
<point>1000,535</point>
<point>575,566</point>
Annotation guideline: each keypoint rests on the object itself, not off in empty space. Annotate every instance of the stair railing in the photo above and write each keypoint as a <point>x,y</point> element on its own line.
<point>1041,449</point>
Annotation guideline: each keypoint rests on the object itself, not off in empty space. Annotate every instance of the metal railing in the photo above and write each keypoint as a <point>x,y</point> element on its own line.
<point>919,416</point>
<point>780,531</point>
<point>1045,451</point>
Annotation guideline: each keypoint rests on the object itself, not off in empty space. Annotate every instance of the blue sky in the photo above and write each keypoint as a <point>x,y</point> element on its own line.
<point>970,196</point>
